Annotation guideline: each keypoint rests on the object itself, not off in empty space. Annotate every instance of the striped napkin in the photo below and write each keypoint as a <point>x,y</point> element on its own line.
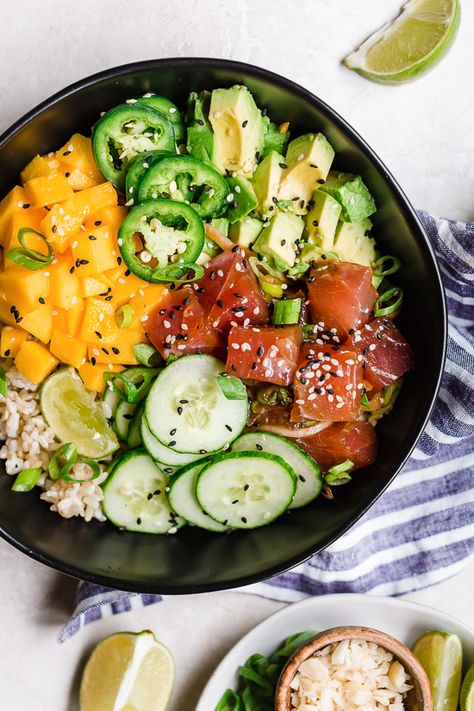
<point>421,531</point>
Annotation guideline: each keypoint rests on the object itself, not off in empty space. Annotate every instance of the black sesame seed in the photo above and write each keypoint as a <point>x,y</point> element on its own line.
<point>244,123</point>
<point>318,391</point>
<point>220,303</point>
<point>97,223</point>
<point>139,521</point>
<point>115,350</point>
<point>203,451</point>
<point>108,298</point>
<point>7,353</point>
<point>303,381</point>
<point>254,366</point>
<point>283,242</point>
<point>184,402</point>
<point>302,204</point>
<point>168,470</point>
<point>157,492</point>
<point>257,155</point>
<point>228,427</point>
<point>235,249</point>
<point>185,301</point>
<point>165,194</point>
<point>66,153</point>
<point>260,351</point>
<point>162,312</point>
<point>93,360</point>
<point>172,443</point>
<point>92,238</point>
<point>233,368</point>
<point>365,351</point>
<point>379,336</point>
<point>243,519</point>
<point>41,300</point>
<point>330,391</point>
<point>315,223</point>
<point>128,416</point>
<point>275,200</point>
<point>127,272</point>
<point>200,122</point>
<point>235,501</point>
<point>283,165</point>
<point>98,334</point>
<point>19,319</point>
<point>54,229</point>
<point>271,208</point>
<point>119,260</point>
<point>149,496</point>
<point>246,487</point>
<point>26,205</point>
<point>301,478</point>
<point>173,431</point>
<point>259,447</point>
<point>104,350</point>
<point>321,181</point>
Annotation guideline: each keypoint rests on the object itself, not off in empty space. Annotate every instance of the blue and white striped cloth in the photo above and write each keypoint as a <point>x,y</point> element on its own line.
<point>421,531</point>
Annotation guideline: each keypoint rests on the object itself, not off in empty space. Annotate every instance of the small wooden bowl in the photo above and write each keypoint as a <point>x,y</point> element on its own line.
<point>418,699</point>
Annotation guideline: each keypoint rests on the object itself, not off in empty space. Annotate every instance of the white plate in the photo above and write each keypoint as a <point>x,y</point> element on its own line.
<point>404,620</point>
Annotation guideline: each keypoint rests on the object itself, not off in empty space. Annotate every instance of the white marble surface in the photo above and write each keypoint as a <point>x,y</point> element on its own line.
<point>423,131</point>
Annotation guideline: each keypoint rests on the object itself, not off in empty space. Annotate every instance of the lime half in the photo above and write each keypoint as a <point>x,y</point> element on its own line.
<point>467,691</point>
<point>75,416</point>
<point>409,45</point>
<point>128,672</point>
<point>440,655</point>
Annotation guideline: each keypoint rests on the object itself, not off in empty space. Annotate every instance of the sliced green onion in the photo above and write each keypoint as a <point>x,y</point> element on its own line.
<point>93,466</point>
<point>286,311</point>
<point>339,474</point>
<point>232,387</point>
<point>364,400</point>
<point>124,316</point>
<point>64,456</point>
<point>387,296</point>
<point>273,394</point>
<point>179,272</point>
<point>133,384</point>
<point>171,358</point>
<point>31,258</point>
<point>147,355</point>
<point>380,270</point>
<point>310,333</point>
<point>271,286</point>
<point>3,382</point>
<point>26,479</point>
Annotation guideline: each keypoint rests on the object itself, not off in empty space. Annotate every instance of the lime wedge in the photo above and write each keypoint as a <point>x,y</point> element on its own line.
<point>128,672</point>
<point>440,655</point>
<point>409,45</point>
<point>75,416</point>
<point>467,691</point>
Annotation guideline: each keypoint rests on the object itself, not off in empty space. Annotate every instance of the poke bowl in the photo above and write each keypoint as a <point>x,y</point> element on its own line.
<point>218,306</point>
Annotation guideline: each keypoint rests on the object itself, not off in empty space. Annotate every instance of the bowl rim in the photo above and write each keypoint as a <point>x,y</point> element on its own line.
<point>409,213</point>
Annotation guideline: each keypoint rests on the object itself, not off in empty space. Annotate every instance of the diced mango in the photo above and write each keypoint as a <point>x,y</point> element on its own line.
<point>23,287</point>
<point>124,285</point>
<point>6,315</point>
<point>93,375</point>
<point>99,324</point>
<point>11,203</point>
<point>39,323</point>
<point>77,154</point>
<point>93,286</point>
<point>74,318</point>
<point>68,349</point>
<point>65,292</point>
<point>47,190</point>
<point>19,220</point>
<point>112,216</point>
<point>121,350</point>
<point>76,179</point>
<point>144,301</point>
<point>94,253</point>
<point>39,166</point>
<point>34,361</point>
<point>59,319</point>
<point>66,219</point>
<point>11,341</point>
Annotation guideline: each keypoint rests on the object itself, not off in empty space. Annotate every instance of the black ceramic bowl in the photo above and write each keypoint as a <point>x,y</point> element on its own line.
<point>193,560</point>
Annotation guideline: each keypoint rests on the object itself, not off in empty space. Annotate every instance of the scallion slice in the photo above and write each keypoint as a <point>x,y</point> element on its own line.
<point>132,384</point>
<point>232,387</point>
<point>31,258</point>
<point>394,295</point>
<point>27,479</point>
<point>64,457</point>
<point>364,400</point>
<point>147,355</point>
<point>91,463</point>
<point>124,316</point>
<point>271,286</point>
<point>339,474</point>
<point>3,382</point>
<point>286,312</point>
<point>379,268</point>
<point>179,272</point>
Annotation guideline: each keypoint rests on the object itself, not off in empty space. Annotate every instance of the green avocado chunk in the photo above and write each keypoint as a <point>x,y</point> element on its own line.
<point>352,194</point>
<point>266,182</point>
<point>244,199</point>
<point>352,242</point>
<point>238,130</point>
<point>279,239</point>
<point>245,232</point>
<point>308,160</point>
<point>321,221</point>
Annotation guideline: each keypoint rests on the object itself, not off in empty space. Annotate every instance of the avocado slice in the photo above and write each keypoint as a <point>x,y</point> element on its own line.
<point>279,239</point>
<point>245,232</point>
<point>308,160</point>
<point>352,194</point>
<point>266,182</point>
<point>273,138</point>
<point>238,130</point>
<point>200,138</point>
<point>352,242</point>
<point>244,199</point>
<point>321,221</point>
<point>221,224</point>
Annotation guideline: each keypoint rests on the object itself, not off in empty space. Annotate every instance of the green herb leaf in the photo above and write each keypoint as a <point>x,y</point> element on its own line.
<point>232,387</point>
<point>26,480</point>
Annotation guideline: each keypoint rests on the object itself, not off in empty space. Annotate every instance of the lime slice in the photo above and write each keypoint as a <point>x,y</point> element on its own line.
<point>467,691</point>
<point>75,416</point>
<point>128,672</point>
<point>440,654</point>
<point>409,45</point>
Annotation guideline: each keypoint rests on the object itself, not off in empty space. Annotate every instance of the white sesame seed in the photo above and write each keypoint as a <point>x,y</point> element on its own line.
<point>144,318</point>
<point>372,347</point>
<point>235,346</point>
<point>173,186</point>
<point>75,244</point>
<point>166,323</point>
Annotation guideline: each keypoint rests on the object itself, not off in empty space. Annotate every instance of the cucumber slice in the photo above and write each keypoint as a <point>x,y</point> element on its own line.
<point>187,410</point>
<point>135,496</point>
<point>124,414</point>
<point>246,489</point>
<point>134,437</point>
<point>110,401</point>
<point>165,456</point>
<point>308,473</point>
<point>183,499</point>
<point>75,415</point>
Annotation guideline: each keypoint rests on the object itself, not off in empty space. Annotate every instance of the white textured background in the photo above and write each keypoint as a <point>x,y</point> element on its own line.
<point>423,131</point>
